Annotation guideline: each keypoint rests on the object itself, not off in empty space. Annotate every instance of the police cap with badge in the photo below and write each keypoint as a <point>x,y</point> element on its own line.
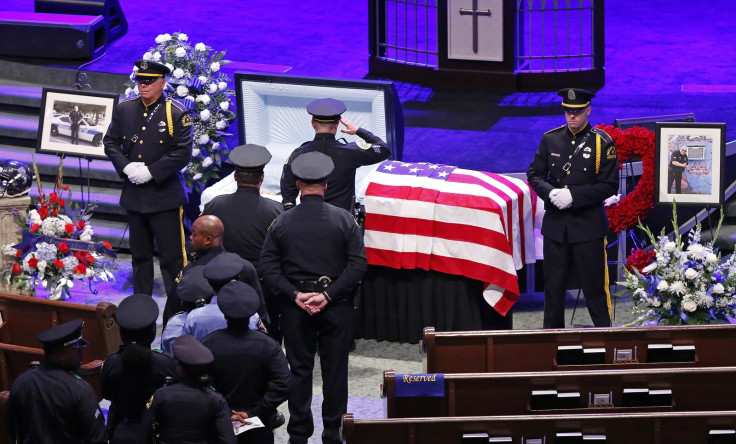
<point>312,167</point>
<point>68,334</point>
<point>250,158</point>
<point>223,268</point>
<point>191,353</point>
<point>238,300</point>
<point>137,312</point>
<point>575,98</point>
<point>326,110</point>
<point>193,287</point>
<point>149,71</point>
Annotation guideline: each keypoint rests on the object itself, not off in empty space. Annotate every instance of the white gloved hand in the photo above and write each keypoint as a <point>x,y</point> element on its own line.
<point>612,200</point>
<point>131,167</point>
<point>554,193</point>
<point>141,175</point>
<point>563,199</point>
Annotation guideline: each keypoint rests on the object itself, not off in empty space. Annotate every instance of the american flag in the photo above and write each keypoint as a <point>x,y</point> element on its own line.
<point>463,222</point>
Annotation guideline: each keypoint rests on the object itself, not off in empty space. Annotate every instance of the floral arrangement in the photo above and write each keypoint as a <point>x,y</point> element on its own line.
<point>56,246</point>
<point>200,86</point>
<point>630,143</point>
<point>682,284</point>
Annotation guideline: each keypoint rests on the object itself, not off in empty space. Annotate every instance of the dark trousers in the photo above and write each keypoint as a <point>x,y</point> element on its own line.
<point>165,228</point>
<point>328,331</point>
<point>676,177</point>
<point>590,260</point>
<point>75,133</point>
<point>261,435</point>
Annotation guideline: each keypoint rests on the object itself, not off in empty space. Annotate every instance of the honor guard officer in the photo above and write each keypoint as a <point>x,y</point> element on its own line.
<point>130,376</point>
<point>52,404</point>
<point>346,157</point>
<point>189,411</point>
<point>149,142</point>
<point>313,258</point>
<point>574,170</point>
<point>250,369</point>
<point>193,291</point>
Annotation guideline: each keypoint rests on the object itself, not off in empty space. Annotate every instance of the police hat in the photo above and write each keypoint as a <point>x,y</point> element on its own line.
<point>189,351</point>
<point>137,312</point>
<point>312,167</point>
<point>149,71</point>
<point>326,110</point>
<point>575,98</point>
<point>68,334</point>
<point>223,268</point>
<point>250,157</point>
<point>238,300</point>
<point>193,286</point>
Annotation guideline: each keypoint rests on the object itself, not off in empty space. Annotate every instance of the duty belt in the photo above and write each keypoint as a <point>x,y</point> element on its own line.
<point>313,286</point>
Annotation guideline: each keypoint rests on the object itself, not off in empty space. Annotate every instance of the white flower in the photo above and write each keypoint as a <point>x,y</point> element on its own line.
<point>200,47</point>
<point>213,88</point>
<point>178,73</point>
<point>691,274</point>
<point>655,302</point>
<point>221,124</point>
<point>662,286</point>
<point>163,38</point>
<point>215,145</point>
<point>670,246</point>
<point>189,98</point>
<point>207,162</point>
<point>224,106</point>
<point>197,176</point>
<point>156,56</point>
<point>222,85</point>
<point>170,66</point>
<point>128,92</point>
<point>649,268</point>
<point>202,79</point>
<point>147,56</point>
<point>696,251</point>
<point>41,265</point>
<point>90,273</point>
<point>689,305</point>
<point>180,52</point>
<point>132,75</point>
<point>182,91</point>
<point>183,37</point>
<point>195,152</point>
<point>215,66</point>
<point>204,99</point>
<point>718,288</point>
<point>35,217</point>
<point>677,287</point>
<point>711,258</point>
<point>85,236</point>
<point>204,115</point>
<point>203,139</point>
<point>135,89</point>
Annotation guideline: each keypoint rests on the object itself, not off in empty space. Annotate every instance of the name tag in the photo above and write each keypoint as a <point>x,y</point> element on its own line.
<point>430,384</point>
<point>554,154</point>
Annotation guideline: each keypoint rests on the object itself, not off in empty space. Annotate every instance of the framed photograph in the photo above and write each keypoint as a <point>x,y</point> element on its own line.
<point>689,163</point>
<point>74,122</point>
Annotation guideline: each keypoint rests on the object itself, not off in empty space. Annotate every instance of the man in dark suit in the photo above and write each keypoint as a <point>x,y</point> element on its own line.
<point>326,118</point>
<point>149,142</point>
<point>574,170</point>
<point>75,118</point>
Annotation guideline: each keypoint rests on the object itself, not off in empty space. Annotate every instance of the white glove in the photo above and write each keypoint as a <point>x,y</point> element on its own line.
<point>131,167</point>
<point>562,199</point>
<point>141,175</point>
<point>612,200</point>
<point>554,193</point>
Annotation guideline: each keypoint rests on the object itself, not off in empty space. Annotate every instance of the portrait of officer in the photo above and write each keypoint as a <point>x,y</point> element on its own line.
<point>75,119</point>
<point>678,163</point>
<point>149,142</point>
<point>574,170</point>
<point>346,157</point>
<point>52,404</point>
<point>313,258</point>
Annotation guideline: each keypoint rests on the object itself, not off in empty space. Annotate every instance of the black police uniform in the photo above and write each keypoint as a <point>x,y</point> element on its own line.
<point>200,258</point>
<point>675,172</point>
<point>312,240</point>
<point>74,117</point>
<point>164,144</point>
<point>576,234</point>
<point>250,369</point>
<point>52,405</point>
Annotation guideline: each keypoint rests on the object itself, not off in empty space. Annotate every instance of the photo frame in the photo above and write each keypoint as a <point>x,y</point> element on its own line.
<point>689,166</point>
<point>56,131</point>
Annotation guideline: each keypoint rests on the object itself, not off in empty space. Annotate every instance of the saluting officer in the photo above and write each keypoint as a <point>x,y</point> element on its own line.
<point>130,376</point>
<point>189,411</point>
<point>326,118</point>
<point>313,258</point>
<point>149,142</point>
<point>574,170</point>
<point>52,404</point>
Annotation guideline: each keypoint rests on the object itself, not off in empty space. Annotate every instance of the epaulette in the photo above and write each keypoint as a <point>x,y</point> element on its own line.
<point>555,129</point>
<point>304,143</point>
<point>604,135</point>
<point>178,104</point>
<point>129,100</point>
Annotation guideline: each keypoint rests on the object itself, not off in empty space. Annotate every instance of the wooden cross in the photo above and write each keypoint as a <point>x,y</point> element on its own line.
<point>475,12</point>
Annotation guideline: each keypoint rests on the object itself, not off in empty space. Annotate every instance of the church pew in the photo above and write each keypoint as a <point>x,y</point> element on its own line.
<point>650,428</point>
<point>489,394</point>
<point>535,350</point>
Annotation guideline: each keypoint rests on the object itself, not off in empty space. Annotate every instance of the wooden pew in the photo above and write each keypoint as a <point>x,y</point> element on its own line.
<point>489,394</point>
<point>650,428</point>
<point>25,317</point>
<point>535,350</point>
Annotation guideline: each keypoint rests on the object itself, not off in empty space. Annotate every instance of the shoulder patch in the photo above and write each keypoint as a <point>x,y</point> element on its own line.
<point>363,145</point>
<point>611,152</point>
<point>555,129</point>
<point>186,121</point>
<point>604,135</point>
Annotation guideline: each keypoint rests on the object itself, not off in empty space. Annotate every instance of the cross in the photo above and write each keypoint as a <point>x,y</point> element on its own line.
<point>475,12</point>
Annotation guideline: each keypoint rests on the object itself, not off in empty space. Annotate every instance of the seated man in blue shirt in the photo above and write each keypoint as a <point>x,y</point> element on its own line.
<point>194,292</point>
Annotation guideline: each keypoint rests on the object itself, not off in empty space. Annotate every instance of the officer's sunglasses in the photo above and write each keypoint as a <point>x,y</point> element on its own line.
<point>574,111</point>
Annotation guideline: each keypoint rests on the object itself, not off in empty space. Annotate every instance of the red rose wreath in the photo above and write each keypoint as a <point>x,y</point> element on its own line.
<point>630,143</point>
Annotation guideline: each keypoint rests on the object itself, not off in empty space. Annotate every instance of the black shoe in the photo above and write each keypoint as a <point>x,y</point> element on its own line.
<point>278,420</point>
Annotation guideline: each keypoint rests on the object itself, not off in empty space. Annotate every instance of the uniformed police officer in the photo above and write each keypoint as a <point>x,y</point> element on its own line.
<point>189,411</point>
<point>75,119</point>
<point>194,292</point>
<point>574,170</point>
<point>149,142</point>
<point>314,258</point>
<point>326,118</point>
<point>678,163</point>
<point>130,376</point>
<point>249,369</point>
<point>52,404</point>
